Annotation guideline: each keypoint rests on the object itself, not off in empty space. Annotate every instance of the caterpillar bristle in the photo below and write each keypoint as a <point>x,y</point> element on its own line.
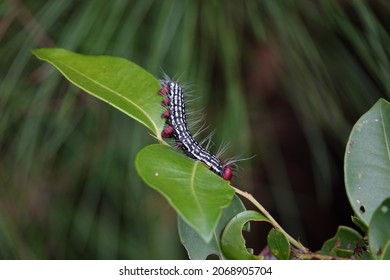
<point>165,77</point>
<point>234,160</point>
<point>222,149</point>
<point>208,139</point>
<point>203,127</point>
<point>195,119</point>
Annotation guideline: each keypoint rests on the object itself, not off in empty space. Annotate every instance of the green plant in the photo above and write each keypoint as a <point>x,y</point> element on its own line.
<point>211,216</point>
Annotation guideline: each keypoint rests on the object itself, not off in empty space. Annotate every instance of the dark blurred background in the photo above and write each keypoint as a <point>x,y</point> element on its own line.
<point>282,80</point>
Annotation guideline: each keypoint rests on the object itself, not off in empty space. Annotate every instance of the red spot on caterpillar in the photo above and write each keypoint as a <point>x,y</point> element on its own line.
<point>163,91</point>
<point>227,173</point>
<point>165,102</point>
<point>167,132</point>
<point>165,115</point>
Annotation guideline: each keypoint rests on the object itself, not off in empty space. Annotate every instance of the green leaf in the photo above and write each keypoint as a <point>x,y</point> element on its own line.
<point>197,248</point>
<point>367,161</point>
<point>379,229</point>
<point>233,243</point>
<point>346,243</point>
<point>117,81</point>
<point>196,193</point>
<point>278,244</point>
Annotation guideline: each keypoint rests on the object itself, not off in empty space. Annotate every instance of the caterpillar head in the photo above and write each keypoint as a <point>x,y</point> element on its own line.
<point>227,173</point>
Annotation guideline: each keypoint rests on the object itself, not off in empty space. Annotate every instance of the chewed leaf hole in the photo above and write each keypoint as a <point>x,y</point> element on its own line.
<point>212,257</point>
<point>362,209</point>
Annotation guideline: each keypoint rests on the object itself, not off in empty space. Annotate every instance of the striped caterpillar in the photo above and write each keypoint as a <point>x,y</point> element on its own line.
<point>177,128</point>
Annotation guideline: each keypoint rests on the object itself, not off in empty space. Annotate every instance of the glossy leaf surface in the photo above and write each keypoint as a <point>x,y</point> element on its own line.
<point>367,161</point>
<point>116,81</point>
<point>197,194</point>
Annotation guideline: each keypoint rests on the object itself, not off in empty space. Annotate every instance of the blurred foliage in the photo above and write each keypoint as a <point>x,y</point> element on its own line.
<point>283,80</point>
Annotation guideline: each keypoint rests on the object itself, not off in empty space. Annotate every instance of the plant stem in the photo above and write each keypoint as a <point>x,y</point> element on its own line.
<point>315,256</point>
<point>294,242</point>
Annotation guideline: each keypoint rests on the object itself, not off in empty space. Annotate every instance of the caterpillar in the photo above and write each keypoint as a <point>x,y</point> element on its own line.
<point>176,127</point>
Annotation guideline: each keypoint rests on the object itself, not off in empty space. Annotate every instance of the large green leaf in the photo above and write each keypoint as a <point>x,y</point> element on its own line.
<point>117,81</point>
<point>196,193</point>
<point>197,248</point>
<point>233,243</point>
<point>379,231</point>
<point>367,161</point>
